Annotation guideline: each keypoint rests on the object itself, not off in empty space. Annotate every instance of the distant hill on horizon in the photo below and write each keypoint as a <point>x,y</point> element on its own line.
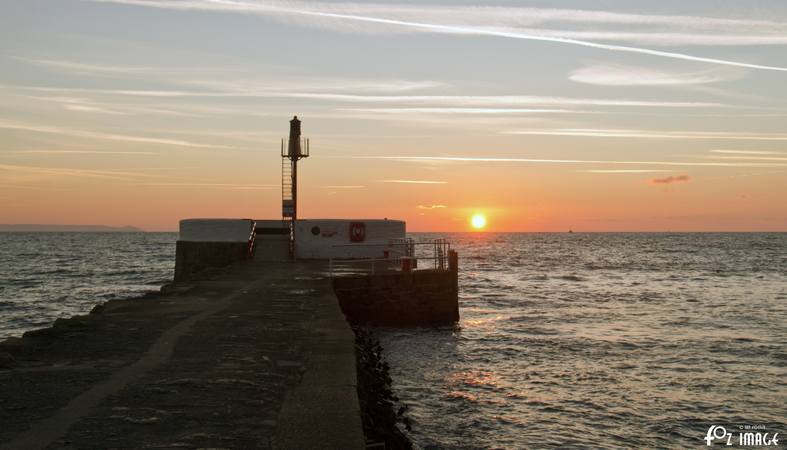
<point>24,227</point>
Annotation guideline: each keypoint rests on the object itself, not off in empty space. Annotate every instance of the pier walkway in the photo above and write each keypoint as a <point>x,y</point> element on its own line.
<point>254,356</point>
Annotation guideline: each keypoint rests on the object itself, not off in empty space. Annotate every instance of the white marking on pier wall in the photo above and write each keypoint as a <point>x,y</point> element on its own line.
<point>330,238</point>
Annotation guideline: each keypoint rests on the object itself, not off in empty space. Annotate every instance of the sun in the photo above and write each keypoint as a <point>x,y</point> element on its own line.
<point>478,221</point>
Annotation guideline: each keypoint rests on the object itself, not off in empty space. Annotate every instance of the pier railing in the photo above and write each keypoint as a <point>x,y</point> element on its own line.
<point>396,255</point>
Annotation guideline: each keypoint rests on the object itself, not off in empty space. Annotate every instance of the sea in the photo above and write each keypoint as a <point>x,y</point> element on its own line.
<point>566,340</point>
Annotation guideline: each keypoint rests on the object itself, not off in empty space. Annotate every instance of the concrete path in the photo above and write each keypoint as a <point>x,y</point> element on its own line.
<point>257,355</point>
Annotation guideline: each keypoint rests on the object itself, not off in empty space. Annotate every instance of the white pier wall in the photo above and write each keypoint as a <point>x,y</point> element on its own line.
<point>330,238</point>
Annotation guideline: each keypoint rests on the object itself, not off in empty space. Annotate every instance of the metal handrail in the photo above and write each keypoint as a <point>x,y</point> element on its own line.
<point>440,254</point>
<point>332,263</point>
<point>285,148</point>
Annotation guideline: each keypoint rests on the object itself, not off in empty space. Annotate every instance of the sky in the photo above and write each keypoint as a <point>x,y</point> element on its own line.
<point>541,115</point>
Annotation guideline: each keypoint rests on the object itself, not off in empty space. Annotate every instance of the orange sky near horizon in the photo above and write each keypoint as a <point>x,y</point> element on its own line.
<point>542,199</point>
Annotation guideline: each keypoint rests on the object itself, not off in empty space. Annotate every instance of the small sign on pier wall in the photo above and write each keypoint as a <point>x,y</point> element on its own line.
<point>287,208</point>
<point>357,231</point>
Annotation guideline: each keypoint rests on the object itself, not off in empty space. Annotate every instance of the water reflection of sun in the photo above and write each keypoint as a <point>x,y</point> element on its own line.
<point>472,378</point>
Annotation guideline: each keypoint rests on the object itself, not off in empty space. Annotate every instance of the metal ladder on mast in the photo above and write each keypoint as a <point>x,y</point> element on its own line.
<point>286,196</point>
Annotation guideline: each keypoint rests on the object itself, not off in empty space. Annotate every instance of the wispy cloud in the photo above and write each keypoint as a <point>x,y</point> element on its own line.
<point>412,181</point>
<point>232,186</point>
<point>251,188</point>
<point>450,110</point>
<point>101,136</point>
<point>291,83</point>
<point>511,23</point>
<point>230,84</point>
<point>92,68</point>
<point>444,100</point>
<point>624,171</point>
<point>89,109</point>
<point>650,134</point>
<point>750,158</point>
<point>747,152</point>
<point>471,159</point>
<point>670,180</point>
<point>624,75</point>
<point>431,206</point>
<point>83,152</point>
<point>85,105</point>
<point>61,171</point>
<point>481,100</point>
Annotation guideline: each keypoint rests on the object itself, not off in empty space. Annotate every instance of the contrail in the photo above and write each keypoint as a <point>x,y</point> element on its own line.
<point>532,37</point>
<point>235,6</point>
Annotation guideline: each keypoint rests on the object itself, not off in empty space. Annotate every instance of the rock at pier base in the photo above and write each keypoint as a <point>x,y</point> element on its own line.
<point>380,408</point>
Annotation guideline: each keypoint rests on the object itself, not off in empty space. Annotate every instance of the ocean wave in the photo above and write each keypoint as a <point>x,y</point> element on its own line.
<point>571,278</point>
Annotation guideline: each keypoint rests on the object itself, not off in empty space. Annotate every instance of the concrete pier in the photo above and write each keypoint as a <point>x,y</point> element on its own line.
<point>255,355</point>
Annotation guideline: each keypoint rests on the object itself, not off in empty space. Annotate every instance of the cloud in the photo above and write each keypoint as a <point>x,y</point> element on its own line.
<point>431,206</point>
<point>450,110</point>
<point>224,82</point>
<point>623,75</point>
<point>412,181</point>
<point>445,100</point>
<point>750,158</point>
<point>83,68</point>
<point>115,108</point>
<point>83,152</point>
<point>670,180</point>
<point>481,100</point>
<point>511,23</point>
<point>88,173</point>
<point>292,83</point>
<point>466,159</point>
<point>650,134</point>
<point>232,186</point>
<point>747,152</point>
<point>624,171</point>
<point>90,109</point>
<point>102,136</point>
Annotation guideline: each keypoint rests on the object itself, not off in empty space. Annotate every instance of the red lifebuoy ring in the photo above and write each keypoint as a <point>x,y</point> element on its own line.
<point>357,231</point>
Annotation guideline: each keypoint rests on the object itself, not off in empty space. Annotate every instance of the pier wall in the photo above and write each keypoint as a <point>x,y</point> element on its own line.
<point>212,243</point>
<point>422,297</point>
<point>193,257</point>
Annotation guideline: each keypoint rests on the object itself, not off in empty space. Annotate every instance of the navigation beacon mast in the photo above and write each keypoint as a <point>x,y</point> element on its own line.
<point>292,150</point>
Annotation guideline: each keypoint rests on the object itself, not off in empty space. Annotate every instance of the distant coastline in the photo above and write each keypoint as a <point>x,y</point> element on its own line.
<point>39,228</point>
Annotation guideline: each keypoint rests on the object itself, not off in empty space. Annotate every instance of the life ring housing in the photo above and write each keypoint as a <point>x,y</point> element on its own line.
<point>357,231</point>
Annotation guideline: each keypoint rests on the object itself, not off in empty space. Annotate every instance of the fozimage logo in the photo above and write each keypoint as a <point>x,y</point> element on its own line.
<point>748,435</point>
